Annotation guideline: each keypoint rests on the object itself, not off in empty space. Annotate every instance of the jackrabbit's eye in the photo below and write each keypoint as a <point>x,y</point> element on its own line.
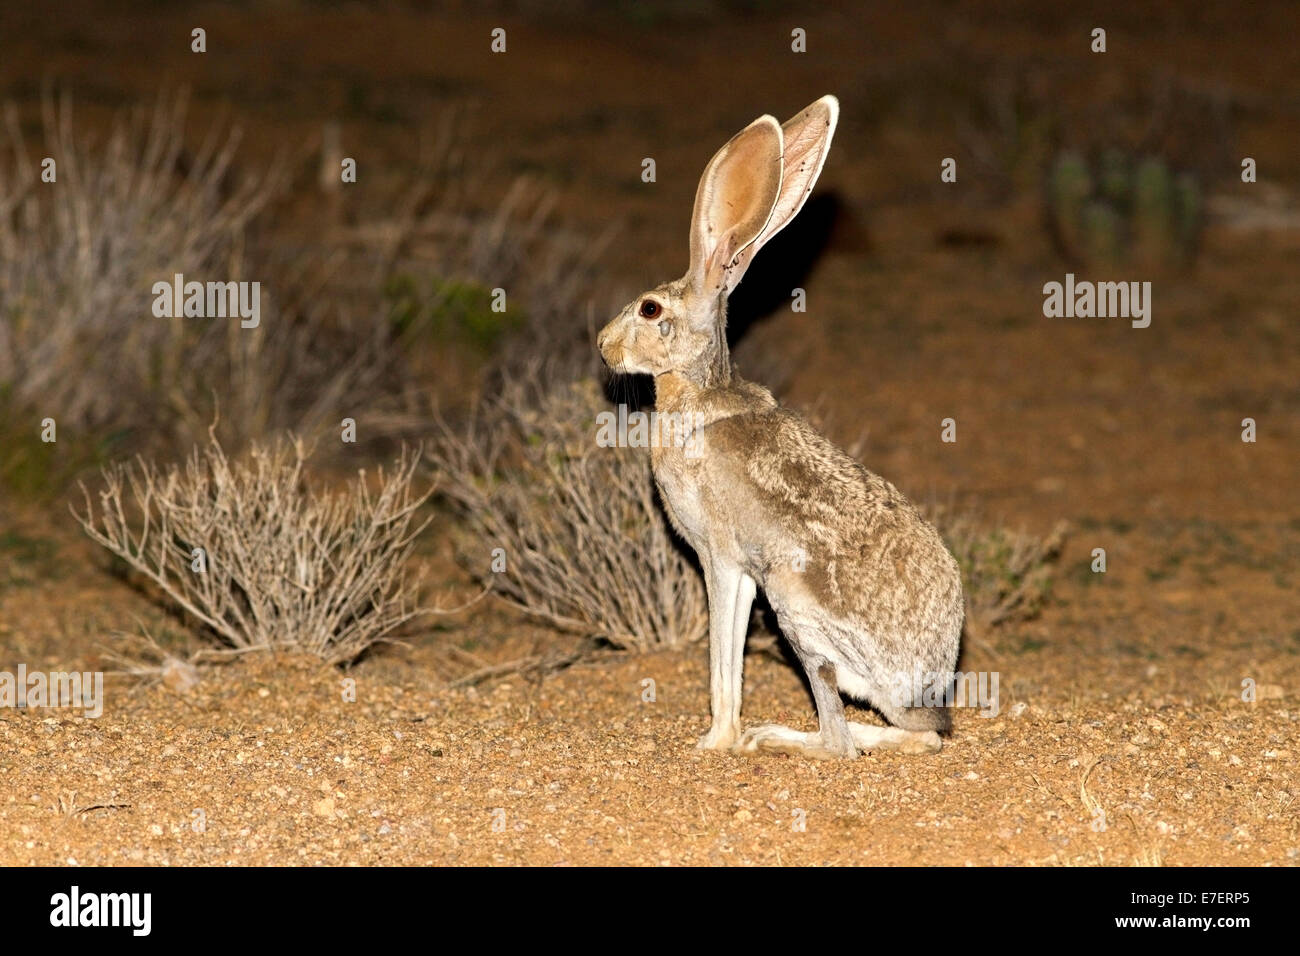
<point>650,309</point>
<point>665,327</point>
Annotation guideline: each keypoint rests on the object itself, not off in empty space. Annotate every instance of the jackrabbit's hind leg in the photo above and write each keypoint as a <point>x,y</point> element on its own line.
<point>916,729</point>
<point>833,737</point>
<point>870,737</point>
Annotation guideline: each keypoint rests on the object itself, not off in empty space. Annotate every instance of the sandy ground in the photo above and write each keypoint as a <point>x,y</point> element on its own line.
<point>1122,736</point>
<point>267,764</point>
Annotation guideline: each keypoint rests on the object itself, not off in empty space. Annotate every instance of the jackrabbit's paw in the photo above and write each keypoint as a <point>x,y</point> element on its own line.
<point>719,737</point>
<point>774,738</point>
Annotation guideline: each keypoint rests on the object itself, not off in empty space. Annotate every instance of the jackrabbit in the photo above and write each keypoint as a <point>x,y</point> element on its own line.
<point>863,587</point>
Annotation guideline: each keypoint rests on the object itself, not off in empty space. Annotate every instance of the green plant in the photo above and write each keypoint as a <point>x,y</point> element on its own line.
<point>1122,208</point>
<point>450,311</point>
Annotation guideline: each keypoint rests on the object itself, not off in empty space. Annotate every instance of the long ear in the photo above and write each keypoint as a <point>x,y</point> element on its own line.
<point>734,201</point>
<point>806,141</point>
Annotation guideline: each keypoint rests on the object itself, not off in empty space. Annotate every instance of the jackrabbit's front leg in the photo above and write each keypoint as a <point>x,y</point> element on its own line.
<point>731,596</point>
<point>833,737</point>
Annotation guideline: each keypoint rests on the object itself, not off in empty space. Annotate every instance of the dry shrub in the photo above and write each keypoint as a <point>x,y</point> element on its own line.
<point>286,566</point>
<point>78,260</point>
<point>463,224</point>
<point>427,252</point>
<point>79,257</point>
<point>1006,575</point>
<point>585,544</point>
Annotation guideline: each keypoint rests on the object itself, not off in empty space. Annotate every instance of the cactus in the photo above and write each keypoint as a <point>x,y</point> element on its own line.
<point>1153,213</point>
<point>1188,213</point>
<point>1069,187</point>
<point>1116,179</point>
<point>1124,210</point>
<point>1103,233</point>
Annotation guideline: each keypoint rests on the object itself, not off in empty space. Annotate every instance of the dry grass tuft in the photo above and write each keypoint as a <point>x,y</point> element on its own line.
<point>1006,575</point>
<point>356,317</point>
<point>584,542</point>
<point>79,257</point>
<point>259,560</point>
